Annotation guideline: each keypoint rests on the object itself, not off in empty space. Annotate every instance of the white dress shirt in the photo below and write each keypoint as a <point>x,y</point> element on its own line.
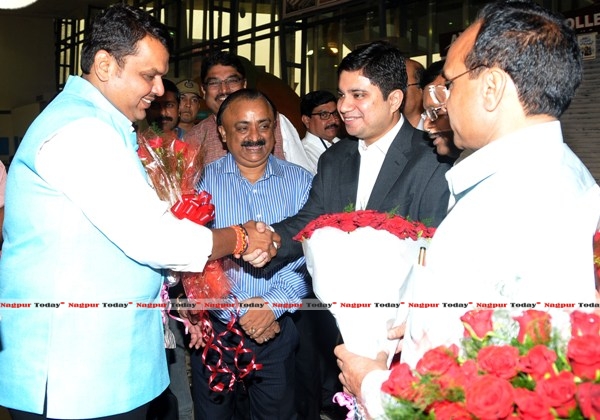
<point>371,160</point>
<point>524,211</point>
<point>314,146</point>
<point>133,217</point>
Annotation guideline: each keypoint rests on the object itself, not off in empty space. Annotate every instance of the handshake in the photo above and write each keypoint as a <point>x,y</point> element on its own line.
<point>262,243</point>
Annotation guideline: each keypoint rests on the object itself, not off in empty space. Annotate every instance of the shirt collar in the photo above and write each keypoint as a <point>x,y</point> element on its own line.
<point>384,143</point>
<point>273,168</point>
<point>522,145</point>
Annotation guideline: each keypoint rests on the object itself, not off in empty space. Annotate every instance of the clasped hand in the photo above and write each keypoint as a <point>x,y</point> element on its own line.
<point>263,243</point>
<point>259,323</point>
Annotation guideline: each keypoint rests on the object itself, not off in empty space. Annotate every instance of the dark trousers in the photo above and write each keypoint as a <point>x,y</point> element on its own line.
<point>316,367</point>
<point>270,389</point>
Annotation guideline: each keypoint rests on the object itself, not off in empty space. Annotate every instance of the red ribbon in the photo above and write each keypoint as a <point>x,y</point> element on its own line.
<point>195,207</point>
<point>220,367</point>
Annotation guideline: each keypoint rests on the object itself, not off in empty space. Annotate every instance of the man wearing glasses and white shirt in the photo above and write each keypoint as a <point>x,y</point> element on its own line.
<point>524,208</point>
<point>322,122</point>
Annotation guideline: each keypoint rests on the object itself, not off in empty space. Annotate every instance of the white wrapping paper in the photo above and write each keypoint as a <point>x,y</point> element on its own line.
<point>367,267</point>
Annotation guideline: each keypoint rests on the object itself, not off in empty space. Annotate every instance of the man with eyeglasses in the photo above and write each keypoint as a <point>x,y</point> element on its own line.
<point>223,73</point>
<point>435,116</point>
<point>523,208</point>
<point>322,122</point>
<point>412,108</point>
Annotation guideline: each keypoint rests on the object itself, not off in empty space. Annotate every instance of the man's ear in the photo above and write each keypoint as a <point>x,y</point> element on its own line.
<point>222,133</point>
<point>494,82</point>
<point>395,99</point>
<point>306,121</point>
<point>102,65</point>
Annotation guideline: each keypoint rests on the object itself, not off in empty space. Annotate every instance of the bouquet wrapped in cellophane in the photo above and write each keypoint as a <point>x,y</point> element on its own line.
<point>174,168</point>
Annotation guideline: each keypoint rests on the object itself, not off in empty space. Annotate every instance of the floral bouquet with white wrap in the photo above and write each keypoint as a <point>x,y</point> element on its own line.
<point>359,262</point>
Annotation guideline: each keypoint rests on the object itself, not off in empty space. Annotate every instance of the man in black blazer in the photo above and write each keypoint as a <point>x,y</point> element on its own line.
<point>386,165</point>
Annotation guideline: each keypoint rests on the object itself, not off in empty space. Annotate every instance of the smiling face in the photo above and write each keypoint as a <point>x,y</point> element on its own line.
<point>439,130</point>
<point>326,129</point>
<point>364,111</point>
<point>248,129</point>
<point>133,87</point>
<point>215,93</point>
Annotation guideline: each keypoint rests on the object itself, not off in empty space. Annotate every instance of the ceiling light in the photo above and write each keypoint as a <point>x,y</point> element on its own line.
<point>15,4</point>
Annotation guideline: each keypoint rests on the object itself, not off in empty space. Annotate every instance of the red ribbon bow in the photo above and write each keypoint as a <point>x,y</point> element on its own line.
<point>195,207</point>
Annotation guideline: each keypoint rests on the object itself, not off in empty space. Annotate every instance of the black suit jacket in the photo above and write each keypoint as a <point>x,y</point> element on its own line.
<point>411,181</point>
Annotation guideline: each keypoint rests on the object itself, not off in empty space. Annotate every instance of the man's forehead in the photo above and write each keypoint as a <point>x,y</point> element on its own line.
<point>462,46</point>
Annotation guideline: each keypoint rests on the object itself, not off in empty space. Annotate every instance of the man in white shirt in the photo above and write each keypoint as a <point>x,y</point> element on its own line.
<point>322,122</point>
<point>523,207</point>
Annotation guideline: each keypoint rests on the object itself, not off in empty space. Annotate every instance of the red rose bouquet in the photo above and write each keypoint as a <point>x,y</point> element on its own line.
<point>508,368</point>
<point>359,262</point>
<point>174,168</point>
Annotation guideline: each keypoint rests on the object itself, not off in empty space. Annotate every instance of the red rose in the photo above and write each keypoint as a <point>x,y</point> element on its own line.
<point>438,360</point>
<point>538,361</point>
<point>500,361</point>
<point>535,325</point>
<point>447,410</point>
<point>489,397</point>
<point>478,323</point>
<point>179,146</point>
<point>588,395</point>
<point>559,392</point>
<point>531,406</point>
<point>583,323</point>
<point>155,142</point>
<point>346,222</point>
<point>401,383</point>
<point>583,353</point>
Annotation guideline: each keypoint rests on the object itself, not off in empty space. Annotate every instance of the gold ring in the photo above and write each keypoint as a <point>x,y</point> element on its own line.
<point>252,330</point>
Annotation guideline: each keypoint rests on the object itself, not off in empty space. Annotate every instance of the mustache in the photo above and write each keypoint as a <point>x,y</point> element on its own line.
<point>162,119</point>
<point>255,143</point>
<point>333,125</point>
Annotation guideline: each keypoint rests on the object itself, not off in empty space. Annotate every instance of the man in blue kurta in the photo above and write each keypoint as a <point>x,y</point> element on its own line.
<point>85,237</point>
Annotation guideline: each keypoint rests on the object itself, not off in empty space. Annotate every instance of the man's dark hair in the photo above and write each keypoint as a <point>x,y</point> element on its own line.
<point>313,99</point>
<point>244,94</point>
<point>380,62</point>
<point>222,58</point>
<point>117,30</point>
<point>434,70</point>
<point>536,48</point>
<point>171,87</point>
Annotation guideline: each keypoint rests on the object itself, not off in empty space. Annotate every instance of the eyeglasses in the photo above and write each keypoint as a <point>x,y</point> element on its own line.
<point>414,84</point>
<point>442,93</point>
<point>230,82</point>
<point>434,113</point>
<point>325,115</point>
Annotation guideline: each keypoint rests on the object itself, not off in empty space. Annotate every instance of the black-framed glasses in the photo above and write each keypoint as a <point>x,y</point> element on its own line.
<point>433,113</point>
<point>325,115</point>
<point>414,84</point>
<point>230,82</point>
